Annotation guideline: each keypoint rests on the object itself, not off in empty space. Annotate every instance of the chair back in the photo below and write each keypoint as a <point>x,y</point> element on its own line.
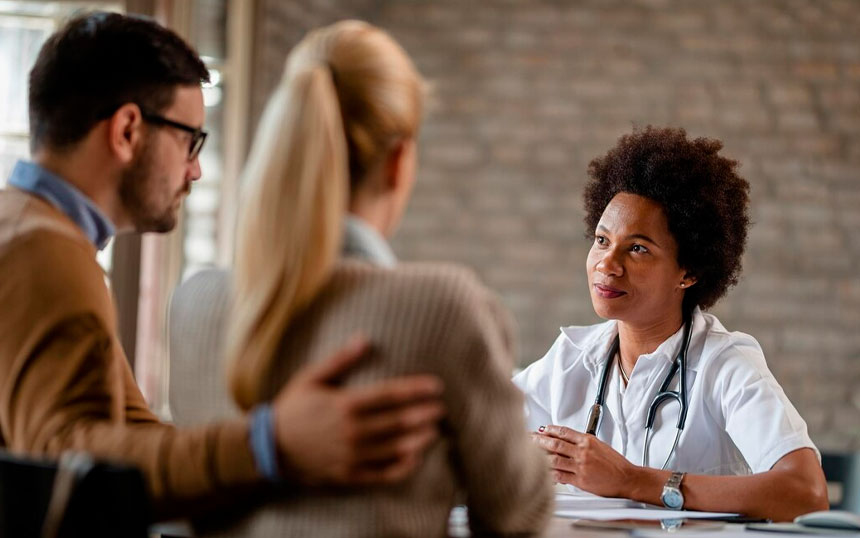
<point>77,499</point>
<point>197,326</point>
<point>842,471</point>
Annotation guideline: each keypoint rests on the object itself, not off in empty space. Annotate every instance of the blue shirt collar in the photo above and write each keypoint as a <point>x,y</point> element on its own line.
<point>34,179</point>
<point>361,240</point>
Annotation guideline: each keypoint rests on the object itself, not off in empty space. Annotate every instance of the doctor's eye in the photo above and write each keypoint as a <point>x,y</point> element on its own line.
<point>639,249</point>
<point>600,240</point>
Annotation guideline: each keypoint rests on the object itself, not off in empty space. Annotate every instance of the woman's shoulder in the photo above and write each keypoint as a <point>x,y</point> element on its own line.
<point>451,295</point>
<point>723,349</point>
<point>357,266</point>
<point>575,345</point>
<point>428,281</point>
<point>586,337</point>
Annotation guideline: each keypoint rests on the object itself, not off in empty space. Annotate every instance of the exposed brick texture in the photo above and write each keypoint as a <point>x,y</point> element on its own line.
<point>527,93</point>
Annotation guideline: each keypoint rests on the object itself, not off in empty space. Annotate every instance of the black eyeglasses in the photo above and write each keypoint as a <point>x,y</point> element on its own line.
<point>198,136</point>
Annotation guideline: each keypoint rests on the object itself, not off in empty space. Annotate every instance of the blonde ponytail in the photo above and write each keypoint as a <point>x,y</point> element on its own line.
<point>284,257</point>
<point>348,85</point>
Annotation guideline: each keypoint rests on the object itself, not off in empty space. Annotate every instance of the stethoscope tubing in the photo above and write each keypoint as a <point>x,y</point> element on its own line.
<point>679,366</point>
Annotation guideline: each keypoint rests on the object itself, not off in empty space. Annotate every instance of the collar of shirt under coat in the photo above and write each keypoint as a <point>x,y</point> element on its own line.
<point>595,342</point>
<point>362,241</point>
<point>32,178</point>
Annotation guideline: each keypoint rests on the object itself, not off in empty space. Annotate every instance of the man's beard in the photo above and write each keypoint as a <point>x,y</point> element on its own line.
<point>139,194</point>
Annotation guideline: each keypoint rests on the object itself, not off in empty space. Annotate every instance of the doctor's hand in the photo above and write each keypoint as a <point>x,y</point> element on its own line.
<point>585,461</point>
<point>355,435</point>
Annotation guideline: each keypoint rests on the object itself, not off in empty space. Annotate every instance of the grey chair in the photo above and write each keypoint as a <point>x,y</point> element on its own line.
<point>197,326</point>
<point>842,470</point>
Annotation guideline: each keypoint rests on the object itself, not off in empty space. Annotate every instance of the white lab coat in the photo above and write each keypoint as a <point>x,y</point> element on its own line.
<point>739,420</point>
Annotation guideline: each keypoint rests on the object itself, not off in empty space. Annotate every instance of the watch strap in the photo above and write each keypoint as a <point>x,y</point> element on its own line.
<point>674,481</point>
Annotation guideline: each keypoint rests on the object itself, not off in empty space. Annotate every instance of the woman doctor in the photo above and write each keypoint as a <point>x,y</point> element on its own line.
<point>668,217</point>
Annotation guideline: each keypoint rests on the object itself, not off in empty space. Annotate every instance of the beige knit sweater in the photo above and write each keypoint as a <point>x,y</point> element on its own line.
<point>421,318</point>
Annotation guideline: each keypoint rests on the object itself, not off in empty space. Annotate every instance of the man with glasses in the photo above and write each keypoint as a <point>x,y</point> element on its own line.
<point>116,119</point>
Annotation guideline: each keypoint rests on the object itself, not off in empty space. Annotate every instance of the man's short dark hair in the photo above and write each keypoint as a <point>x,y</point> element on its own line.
<point>98,62</point>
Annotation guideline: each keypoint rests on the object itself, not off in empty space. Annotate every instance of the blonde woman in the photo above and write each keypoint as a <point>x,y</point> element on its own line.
<point>331,170</point>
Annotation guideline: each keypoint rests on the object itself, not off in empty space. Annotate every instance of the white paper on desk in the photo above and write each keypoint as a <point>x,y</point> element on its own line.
<point>587,501</point>
<point>650,514</point>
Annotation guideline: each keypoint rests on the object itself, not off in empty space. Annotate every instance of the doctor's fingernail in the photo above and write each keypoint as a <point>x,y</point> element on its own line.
<point>541,429</point>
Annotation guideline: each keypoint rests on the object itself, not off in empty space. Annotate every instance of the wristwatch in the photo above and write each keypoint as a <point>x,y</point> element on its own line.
<point>672,496</point>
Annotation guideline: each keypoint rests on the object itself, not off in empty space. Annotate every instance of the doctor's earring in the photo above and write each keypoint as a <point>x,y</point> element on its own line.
<point>683,285</point>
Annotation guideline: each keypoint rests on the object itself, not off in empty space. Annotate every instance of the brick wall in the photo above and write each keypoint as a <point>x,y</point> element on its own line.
<point>526,93</point>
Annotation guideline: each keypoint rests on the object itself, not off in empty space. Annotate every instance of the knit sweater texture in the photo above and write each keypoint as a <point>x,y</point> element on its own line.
<point>421,318</point>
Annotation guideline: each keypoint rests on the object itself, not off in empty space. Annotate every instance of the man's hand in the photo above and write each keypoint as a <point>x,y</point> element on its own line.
<point>585,461</point>
<point>354,435</point>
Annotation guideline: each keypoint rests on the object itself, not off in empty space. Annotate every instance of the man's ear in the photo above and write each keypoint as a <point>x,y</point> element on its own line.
<point>125,132</point>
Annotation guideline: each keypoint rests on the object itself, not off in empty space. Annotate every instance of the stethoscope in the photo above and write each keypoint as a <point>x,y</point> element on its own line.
<point>664,394</point>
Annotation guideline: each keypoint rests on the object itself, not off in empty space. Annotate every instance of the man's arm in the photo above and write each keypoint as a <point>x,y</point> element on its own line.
<point>65,384</point>
<point>69,394</point>
<point>356,435</point>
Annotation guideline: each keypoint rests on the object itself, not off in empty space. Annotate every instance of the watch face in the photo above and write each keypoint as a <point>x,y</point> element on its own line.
<point>672,498</point>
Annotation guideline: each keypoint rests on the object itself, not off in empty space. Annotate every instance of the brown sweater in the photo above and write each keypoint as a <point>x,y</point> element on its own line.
<point>421,318</point>
<point>64,379</point>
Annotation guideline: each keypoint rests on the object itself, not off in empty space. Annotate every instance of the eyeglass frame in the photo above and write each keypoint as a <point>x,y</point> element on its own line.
<point>198,135</point>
